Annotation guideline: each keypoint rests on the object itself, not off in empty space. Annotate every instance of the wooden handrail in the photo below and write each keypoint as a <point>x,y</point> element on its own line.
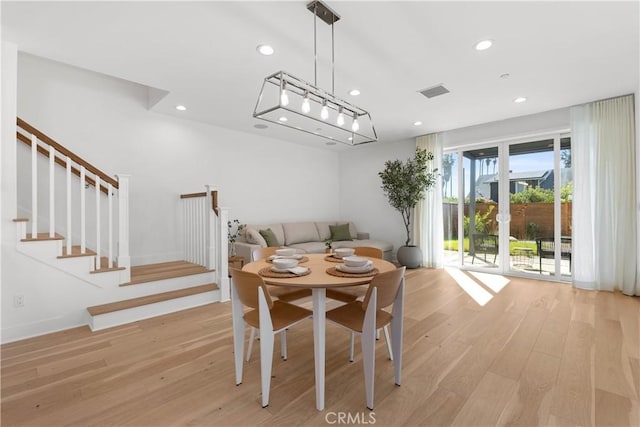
<point>214,198</point>
<point>65,152</point>
<point>62,163</point>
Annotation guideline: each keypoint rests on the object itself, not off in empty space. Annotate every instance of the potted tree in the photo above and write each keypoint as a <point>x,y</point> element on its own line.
<point>405,184</point>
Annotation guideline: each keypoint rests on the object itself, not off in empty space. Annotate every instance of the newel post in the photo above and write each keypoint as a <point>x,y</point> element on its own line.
<point>124,258</point>
<point>223,251</point>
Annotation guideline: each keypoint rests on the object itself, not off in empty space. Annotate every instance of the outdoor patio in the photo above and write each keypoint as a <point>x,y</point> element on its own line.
<point>522,263</point>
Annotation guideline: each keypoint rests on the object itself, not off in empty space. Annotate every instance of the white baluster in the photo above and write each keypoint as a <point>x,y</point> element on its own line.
<point>98,265</point>
<point>223,256</point>
<point>187,238</point>
<point>124,260</point>
<point>83,217</point>
<point>209,243</point>
<point>34,187</point>
<point>110,200</point>
<point>69,242</point>
<point>199,232</point>
<point>52,210</point>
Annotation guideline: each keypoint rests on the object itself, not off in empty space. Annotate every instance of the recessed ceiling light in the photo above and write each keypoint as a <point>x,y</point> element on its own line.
<point>265,49</point>
<point>181,108</point>
<point>418,123</point>
<point>483,44</point>
<point>260,126</point>
<point>519,99</point>
<point>350,138</point>
<point>283,119</point>
<point>354,92</point>
<point>505,76</point>
<point>330,143</point>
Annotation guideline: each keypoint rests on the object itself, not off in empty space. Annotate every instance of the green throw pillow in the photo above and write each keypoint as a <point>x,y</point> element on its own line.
<point>340,232</point>
<point>269,237</point>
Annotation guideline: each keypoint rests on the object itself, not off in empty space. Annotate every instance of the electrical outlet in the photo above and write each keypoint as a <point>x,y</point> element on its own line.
<point>18,301</point>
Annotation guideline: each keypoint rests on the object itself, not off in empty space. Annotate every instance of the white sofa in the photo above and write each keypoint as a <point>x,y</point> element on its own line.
<point>306,237</point>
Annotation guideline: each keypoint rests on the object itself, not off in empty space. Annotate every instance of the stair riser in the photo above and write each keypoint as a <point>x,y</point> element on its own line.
<point>45,250</point>
<point>130,315</point>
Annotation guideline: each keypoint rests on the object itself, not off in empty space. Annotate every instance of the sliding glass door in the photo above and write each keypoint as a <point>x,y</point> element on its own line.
<point>507,207</point>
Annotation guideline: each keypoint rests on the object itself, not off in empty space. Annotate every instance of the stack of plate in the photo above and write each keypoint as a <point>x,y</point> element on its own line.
<point>282,265</point>
<point>355,264</point>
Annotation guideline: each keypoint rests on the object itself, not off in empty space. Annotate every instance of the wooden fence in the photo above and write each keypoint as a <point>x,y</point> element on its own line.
<point>522,214</point>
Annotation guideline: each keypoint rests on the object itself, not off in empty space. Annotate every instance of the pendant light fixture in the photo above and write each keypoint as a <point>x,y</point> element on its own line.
<point>307,107</point>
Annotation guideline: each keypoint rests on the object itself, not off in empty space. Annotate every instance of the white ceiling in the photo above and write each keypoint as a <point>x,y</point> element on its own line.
<point>204,54</point>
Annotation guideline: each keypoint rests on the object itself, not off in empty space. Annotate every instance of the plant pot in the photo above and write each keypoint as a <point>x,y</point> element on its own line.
<point>409,256</point>
<point>328,251</point>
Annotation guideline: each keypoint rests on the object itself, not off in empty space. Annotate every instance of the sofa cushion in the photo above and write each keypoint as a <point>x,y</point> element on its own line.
<point>383,246</point>
<point>253,236</point>
<point>276,228</point>
<point>270,237</point>
<point>300,232</point>
<point>340,232</point>
<point>323,230</point>
<point>310,247</point>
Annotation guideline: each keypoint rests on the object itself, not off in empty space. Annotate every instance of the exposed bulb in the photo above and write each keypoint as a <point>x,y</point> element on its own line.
<point>340,120</point>
<point>324,112</point>
<point>284,98</point>
<point>355,126</point>
<point>306,106</point>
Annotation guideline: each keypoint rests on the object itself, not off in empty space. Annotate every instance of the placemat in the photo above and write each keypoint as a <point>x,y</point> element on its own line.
<point>331,258</point>
<point>303,259</point>
<point>333,272</point>
<point>266,272</point>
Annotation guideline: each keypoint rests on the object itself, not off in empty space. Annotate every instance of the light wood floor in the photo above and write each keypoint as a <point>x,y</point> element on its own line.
<point>538,353</point>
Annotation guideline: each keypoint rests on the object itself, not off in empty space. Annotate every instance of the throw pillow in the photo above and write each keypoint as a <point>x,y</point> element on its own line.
<point>254,236</point>
<point>269,237</point>
<point>340,232</point>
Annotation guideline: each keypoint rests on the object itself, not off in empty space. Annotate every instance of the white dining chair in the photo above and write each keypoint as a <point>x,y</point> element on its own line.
<point>268,316</point>
<point>353,293</point>
<point>365,317</point>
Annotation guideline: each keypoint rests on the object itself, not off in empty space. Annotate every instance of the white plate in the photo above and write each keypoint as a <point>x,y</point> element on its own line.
<point>288,270</point>
<point>364,269</point>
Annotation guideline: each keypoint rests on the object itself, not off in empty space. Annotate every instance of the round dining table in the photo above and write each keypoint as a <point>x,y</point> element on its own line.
<point>318,281</point>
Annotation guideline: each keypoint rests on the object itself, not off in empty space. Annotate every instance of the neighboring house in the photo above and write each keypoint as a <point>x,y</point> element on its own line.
<point>487,185</point>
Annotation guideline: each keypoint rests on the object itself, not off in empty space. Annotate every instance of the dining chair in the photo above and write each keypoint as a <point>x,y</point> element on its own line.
<point>268,316</point>
<point>280,292</point>
<point>365,317</point>
<point>353,293</point>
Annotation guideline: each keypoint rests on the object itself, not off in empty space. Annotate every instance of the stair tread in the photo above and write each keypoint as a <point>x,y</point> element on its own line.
<point>164,270</point>
<point>42,237</point>
<point>75,252</point>
<point>150,299</point>
<point>104,266</point>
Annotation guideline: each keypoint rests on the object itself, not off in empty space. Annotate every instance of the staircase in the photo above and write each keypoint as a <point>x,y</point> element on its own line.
<point>123,293</point>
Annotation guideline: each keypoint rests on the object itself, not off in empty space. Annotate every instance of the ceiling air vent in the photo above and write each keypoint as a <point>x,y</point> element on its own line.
<point>434,91</point>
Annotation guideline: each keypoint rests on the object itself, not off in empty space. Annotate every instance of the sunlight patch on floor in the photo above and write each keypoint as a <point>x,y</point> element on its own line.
<point>495,282</point>
<point>473,289</point>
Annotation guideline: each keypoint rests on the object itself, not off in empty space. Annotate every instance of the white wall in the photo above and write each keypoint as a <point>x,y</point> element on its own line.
<point>361,198</point>
<point>105,121</point>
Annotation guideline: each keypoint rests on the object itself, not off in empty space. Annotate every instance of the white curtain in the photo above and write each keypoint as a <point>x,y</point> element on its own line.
<point>428,233</point>
<point>604,200</point>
